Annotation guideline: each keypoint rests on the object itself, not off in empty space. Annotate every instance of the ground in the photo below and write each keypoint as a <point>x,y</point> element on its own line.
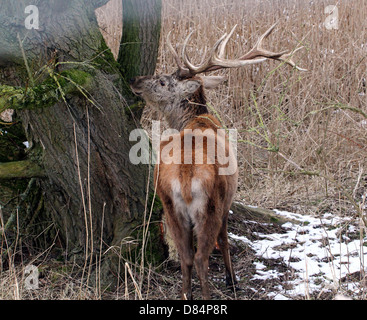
<point>308,257</point>
<point>304,257</point>
<point>311,257</point>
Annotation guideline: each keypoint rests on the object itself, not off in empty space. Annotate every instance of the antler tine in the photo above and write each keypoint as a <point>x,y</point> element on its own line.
<point>181,67</point>
<point>259,51</point>
<point>263,54</point>
<point>287,58</point>
<point>223,45</point>
<point>208,63</point>
<point>184,54</point>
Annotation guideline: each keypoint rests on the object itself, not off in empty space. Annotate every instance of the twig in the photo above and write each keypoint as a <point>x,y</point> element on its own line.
<point>25,61</point>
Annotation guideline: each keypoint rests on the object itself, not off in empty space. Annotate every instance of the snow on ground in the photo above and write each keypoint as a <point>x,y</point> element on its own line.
<point>320,253</point>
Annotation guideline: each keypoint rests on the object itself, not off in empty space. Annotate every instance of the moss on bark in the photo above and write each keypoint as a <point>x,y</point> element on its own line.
<point>21,169</point>
<point>50,91</point>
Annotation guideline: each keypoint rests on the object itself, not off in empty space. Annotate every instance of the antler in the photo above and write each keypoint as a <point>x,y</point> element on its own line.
<point>183,72</point>
<point>216,60</point>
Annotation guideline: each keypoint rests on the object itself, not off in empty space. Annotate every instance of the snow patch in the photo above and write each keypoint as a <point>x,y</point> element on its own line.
<point>319,253</point>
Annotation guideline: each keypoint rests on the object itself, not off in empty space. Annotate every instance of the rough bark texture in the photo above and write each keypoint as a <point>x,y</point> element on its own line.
<point>140,40</point>
<point>82,141</point>
<point>141,30</point>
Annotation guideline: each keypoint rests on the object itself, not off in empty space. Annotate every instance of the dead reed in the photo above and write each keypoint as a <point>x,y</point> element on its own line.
<point>302,135</point>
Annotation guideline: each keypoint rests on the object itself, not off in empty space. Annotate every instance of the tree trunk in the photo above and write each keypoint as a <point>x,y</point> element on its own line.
<point>140,41</point>
<point>141,30</point>
<point>80,136</point>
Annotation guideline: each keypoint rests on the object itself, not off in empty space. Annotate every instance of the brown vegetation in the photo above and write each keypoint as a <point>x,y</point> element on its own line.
<point>302,135</point>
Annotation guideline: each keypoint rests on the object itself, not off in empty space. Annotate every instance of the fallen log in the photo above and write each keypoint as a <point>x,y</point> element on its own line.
<point>258,214</point>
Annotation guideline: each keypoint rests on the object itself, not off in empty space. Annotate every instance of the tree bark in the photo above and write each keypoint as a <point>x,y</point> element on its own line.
<point>81,138</point>
<point>140,42</point>
<point>141,31</point>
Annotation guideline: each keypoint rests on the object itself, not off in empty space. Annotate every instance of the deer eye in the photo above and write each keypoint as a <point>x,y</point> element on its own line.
<point>162,83</point>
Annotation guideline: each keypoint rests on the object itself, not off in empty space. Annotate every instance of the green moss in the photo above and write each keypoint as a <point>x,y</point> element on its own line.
<point>154,247</point>
<point>133,231</point>
<point>47,93</point>
<point>274,219</point>
<point>105,60</point>
<point>135,107</point>
<point>9,96</point>
<point>20,169</point>
<point>80,77</point>
<point>157,205</point>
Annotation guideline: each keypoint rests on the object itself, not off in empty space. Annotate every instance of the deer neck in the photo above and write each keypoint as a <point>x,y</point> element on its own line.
<point>178,115</point>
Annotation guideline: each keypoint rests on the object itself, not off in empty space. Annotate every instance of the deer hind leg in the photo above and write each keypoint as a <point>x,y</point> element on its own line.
<point>224,248</point>
<point>182,235</point>
<point>186,252</point>
<point>206,233</point>
<point>202,263</point>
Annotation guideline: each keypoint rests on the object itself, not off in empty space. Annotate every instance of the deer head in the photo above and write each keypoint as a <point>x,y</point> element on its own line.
<point>172,94</point>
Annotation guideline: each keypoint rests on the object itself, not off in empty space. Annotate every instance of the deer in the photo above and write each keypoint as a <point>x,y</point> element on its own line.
<point>196,198</point>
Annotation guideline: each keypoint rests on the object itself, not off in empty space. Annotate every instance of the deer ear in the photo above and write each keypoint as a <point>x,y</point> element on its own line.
<point>190,86</point>
<point>211,82</point>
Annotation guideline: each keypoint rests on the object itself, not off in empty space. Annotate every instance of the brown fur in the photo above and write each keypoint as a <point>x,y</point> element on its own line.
<point>211,224</point>
<point>195,198</point>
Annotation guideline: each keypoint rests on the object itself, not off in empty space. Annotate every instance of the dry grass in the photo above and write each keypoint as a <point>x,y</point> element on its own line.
<point>110,21</point>
<point>303,135</point>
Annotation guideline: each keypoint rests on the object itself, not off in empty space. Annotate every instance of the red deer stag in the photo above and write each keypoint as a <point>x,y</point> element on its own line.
<point>196,197</point>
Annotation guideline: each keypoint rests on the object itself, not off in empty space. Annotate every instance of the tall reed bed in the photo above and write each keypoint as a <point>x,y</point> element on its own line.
<point>302,135</point>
